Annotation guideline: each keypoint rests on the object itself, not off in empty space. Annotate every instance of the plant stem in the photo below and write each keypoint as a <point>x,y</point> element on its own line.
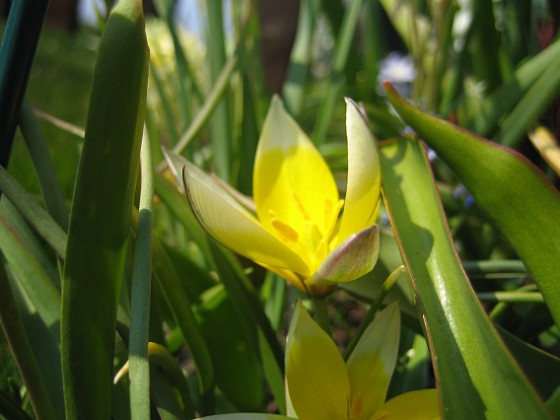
<point>321,309</point>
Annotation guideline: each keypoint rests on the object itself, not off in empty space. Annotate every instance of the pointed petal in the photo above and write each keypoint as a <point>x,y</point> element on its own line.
<point>353,258</point>
<point>361,204</point>
<point>414,405</point>
<point>231,224</point>
<point>317,378</point>
<point>291,177</point>
<point>372,362</point>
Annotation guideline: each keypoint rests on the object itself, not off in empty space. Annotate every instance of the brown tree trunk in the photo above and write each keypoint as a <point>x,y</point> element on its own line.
<point>278,20</point>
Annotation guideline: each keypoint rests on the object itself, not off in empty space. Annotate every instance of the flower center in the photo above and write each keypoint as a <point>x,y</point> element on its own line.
<point>311,241</point>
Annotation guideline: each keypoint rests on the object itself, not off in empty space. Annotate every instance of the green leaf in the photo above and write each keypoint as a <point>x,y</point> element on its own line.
<point>507,95</point>
<point>140,292</point>
<point>101,213</point>
<point>476,375</point>
<point>28,263</point>
<point>168,279</point>
<point>236,366</point>
<point>22,351</point>
<point>519,200</point>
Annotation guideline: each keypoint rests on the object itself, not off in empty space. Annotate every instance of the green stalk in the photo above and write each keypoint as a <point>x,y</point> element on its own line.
<point>212,100</point>
<point>101,213</point>
<point>293,89</point>
<point>221,120</point>
<point>321,312</point>
<point>140,294</point>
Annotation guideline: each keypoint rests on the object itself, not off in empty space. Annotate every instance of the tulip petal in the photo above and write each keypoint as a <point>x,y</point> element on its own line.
<point>414,405</point>
<point>317,377</point>
<point>361,204</point>
<point>230,223</point>
<point>291,181</point>
<point>372,362</point>
<point>350,260</point>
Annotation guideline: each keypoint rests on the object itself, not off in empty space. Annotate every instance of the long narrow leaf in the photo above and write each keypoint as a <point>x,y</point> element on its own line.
<point>39,152</point>
<point>515,195</point>
<point>140,294</point>
<point>17,50</point>
<point>476,375</point>
<point>101,213</point>
<point>35,215</point>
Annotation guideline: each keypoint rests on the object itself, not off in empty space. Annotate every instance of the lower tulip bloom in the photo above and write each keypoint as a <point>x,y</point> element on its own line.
<point>320,385</point>
<point>299,228</point>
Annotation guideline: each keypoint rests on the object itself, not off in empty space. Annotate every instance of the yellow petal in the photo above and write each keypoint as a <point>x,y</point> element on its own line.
<point>317,378</point>
<point>361,204</point>
<point>414,405</point>
<point>372,362</point>
<point>353,258</point>
<point>291,181</point>
<point>232,225</point>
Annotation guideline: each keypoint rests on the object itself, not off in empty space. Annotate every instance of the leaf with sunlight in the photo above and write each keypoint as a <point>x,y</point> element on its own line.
<point>520,201</point>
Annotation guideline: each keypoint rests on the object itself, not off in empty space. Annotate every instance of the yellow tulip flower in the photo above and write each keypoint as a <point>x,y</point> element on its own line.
<point>321,386</point>
<point>299,227</point>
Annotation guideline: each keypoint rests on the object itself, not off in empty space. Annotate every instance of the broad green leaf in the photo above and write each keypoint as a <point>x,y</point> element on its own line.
<point>476,375</point>
<point>168,279</point>
<point>101,213</point>
<point>236,365</point>
<point>515,195</point>
<point>543,369</point>
<point>255,325</point>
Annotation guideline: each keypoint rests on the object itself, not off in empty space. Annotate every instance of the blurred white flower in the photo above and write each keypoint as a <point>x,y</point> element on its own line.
<point>397,68</point>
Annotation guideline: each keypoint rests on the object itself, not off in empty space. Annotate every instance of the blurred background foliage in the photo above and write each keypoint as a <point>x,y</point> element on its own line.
<point>477,63</point>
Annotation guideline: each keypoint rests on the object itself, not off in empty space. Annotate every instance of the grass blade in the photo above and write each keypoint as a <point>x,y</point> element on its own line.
<point>140,294</point>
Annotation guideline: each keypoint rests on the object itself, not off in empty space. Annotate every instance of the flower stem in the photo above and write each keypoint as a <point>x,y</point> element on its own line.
<point>321,309</point>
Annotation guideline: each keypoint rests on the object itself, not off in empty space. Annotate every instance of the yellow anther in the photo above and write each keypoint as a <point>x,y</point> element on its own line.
<point>287,232</point>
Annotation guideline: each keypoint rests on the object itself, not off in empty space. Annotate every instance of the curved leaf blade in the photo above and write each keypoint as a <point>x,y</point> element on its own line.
<point>477,377</point>
<point>519,200</point>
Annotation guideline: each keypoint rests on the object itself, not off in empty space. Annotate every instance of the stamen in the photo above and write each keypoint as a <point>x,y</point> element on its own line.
<point>285,230</point>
